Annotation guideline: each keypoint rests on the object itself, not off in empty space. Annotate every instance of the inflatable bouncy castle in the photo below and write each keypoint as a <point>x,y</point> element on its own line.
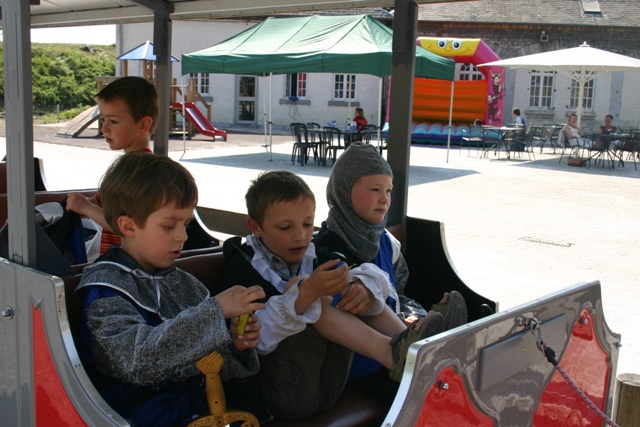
<point>472,99</point>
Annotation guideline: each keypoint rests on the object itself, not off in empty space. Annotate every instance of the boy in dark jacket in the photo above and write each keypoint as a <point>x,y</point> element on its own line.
<point>308,333</point>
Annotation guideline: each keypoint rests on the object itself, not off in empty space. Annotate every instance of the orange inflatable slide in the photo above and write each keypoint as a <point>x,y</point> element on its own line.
<point>472,99</point>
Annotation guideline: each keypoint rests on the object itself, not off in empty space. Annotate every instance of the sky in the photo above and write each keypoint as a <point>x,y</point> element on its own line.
<point>94,35</point>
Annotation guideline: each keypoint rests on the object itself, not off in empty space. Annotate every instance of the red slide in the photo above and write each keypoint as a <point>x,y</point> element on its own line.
<point>199,120</point>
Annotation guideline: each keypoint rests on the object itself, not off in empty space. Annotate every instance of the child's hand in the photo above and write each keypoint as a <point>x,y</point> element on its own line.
<point>238,300</point>
<point>326,280</point>
<point>79,204</point>
<point>356,299</point>
<point>251,335</point>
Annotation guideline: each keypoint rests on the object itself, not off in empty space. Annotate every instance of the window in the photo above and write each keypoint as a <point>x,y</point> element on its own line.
<point>202,81</point>
<point>541,90</point>
<point>296,85</point>
<point>344,86</point>
<point>468,71</point>
<point>587,96</point>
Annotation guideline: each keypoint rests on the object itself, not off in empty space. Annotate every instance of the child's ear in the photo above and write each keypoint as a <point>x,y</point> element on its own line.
<point>254,227</point>
<point>145,124</point>
<point>126,225</point>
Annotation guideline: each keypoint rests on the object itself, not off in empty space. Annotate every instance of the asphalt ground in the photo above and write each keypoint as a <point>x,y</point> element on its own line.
<point>515,229</point>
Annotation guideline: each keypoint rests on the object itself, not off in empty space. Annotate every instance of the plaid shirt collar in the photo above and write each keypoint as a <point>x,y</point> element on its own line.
<point>276,263</point>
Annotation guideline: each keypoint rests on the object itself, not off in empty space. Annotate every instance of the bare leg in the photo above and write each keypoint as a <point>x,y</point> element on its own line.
<point>387,322</point>
<point>351,332</point>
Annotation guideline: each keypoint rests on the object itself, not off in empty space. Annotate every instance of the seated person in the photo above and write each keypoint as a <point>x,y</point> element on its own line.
<point>359,118</point>
<point>145,323</point>
<point>306,341</point>
<point>517,138</point>
<point>360,121</point>
<point>573,135</point>
<point>358,194</point>
<point>519,120</point>
<point>608,129</point>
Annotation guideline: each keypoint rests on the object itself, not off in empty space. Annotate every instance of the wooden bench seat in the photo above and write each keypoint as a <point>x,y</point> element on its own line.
<point>354,409</point>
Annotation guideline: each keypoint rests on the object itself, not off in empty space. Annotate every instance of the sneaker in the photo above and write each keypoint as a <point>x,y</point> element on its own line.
<point>433,324</point>
<point>454,310</point>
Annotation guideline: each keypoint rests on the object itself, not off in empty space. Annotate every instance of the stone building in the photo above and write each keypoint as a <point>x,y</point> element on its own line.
<point>515,27</point>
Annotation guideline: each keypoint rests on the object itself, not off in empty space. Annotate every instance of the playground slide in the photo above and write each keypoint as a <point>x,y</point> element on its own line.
<point>79,123</point>
<point>199,120</point>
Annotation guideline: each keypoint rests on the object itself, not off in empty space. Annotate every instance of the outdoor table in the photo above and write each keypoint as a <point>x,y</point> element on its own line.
<point>502,140</point>
<point>604,149</point>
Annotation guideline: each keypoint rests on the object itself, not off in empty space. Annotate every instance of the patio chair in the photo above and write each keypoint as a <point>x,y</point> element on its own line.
<point>365,132</point>
<point>523,142</point>
<point>493,139</point>
<point>631,146</point>
<point>473,136</point>
<point>333,142</point>
<point>548,135</point>
<point>567,145</point>
<point>312,135</point>
<point>301,144</point>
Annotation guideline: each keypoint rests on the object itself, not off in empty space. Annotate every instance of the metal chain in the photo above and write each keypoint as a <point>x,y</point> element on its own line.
<point>534,327</point>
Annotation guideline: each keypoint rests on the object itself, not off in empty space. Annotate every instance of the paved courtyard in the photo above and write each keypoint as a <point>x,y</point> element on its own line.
<point>515,229</point>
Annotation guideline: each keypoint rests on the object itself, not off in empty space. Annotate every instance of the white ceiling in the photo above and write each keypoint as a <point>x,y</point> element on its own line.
<point>55,13</point>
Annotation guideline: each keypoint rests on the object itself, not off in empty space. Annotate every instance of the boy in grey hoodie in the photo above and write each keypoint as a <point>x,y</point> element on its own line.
<point>145,323</point>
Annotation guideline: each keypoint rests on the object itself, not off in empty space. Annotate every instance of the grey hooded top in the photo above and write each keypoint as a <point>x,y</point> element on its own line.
<point>362,238</point>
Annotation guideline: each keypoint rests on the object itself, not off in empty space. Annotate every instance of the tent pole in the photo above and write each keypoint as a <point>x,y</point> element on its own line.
<point>184,118</point>
<point>450,114</point>
<point>264,112</point>
<point>270,117</point>
<point>380,113</point>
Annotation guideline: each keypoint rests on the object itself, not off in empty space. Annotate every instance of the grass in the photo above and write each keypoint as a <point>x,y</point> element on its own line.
<point>64,115</point>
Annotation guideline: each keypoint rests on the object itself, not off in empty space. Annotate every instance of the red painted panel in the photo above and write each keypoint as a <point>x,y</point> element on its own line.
<point>451,406</point>
<point>53,407</point>
<point>587,364</point>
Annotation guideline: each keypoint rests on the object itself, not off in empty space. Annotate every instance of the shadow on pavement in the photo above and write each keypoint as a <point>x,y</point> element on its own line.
<point>628,170</point>
<point>260,161</point>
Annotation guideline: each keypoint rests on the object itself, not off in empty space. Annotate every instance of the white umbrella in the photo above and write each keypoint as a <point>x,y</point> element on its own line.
<point>581,63</point>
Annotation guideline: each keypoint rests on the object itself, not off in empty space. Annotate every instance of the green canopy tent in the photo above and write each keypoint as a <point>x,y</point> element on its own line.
<point>357,44</point>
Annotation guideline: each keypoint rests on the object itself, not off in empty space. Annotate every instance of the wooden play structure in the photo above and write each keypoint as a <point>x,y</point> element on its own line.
<point>196,120</point>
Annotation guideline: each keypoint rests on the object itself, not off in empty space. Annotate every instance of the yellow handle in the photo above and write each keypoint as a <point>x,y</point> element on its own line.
<point>242,322</point>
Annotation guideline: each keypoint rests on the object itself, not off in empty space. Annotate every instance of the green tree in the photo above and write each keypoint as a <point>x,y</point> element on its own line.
<point>66,74</point>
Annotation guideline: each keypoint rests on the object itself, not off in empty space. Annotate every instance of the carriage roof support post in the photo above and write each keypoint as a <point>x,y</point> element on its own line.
<point>403,59</point>
<point>16,22</point>
<point>15,372</point>
<point>161,49</point>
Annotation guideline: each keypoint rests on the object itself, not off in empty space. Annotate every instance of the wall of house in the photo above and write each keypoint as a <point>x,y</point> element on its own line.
<point>615,93</point>
<point>319,105</point>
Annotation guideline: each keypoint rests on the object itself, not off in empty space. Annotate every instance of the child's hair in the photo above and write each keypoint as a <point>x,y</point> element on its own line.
<point>360,112</point>
<point>139,94</point>
<point>272,187</point>
<point>138,184</point>
<point>516,111</point>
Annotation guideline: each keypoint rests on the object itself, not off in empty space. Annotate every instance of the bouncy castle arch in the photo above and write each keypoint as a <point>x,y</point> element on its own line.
<point>474,51</point>
<point>471,100</point>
